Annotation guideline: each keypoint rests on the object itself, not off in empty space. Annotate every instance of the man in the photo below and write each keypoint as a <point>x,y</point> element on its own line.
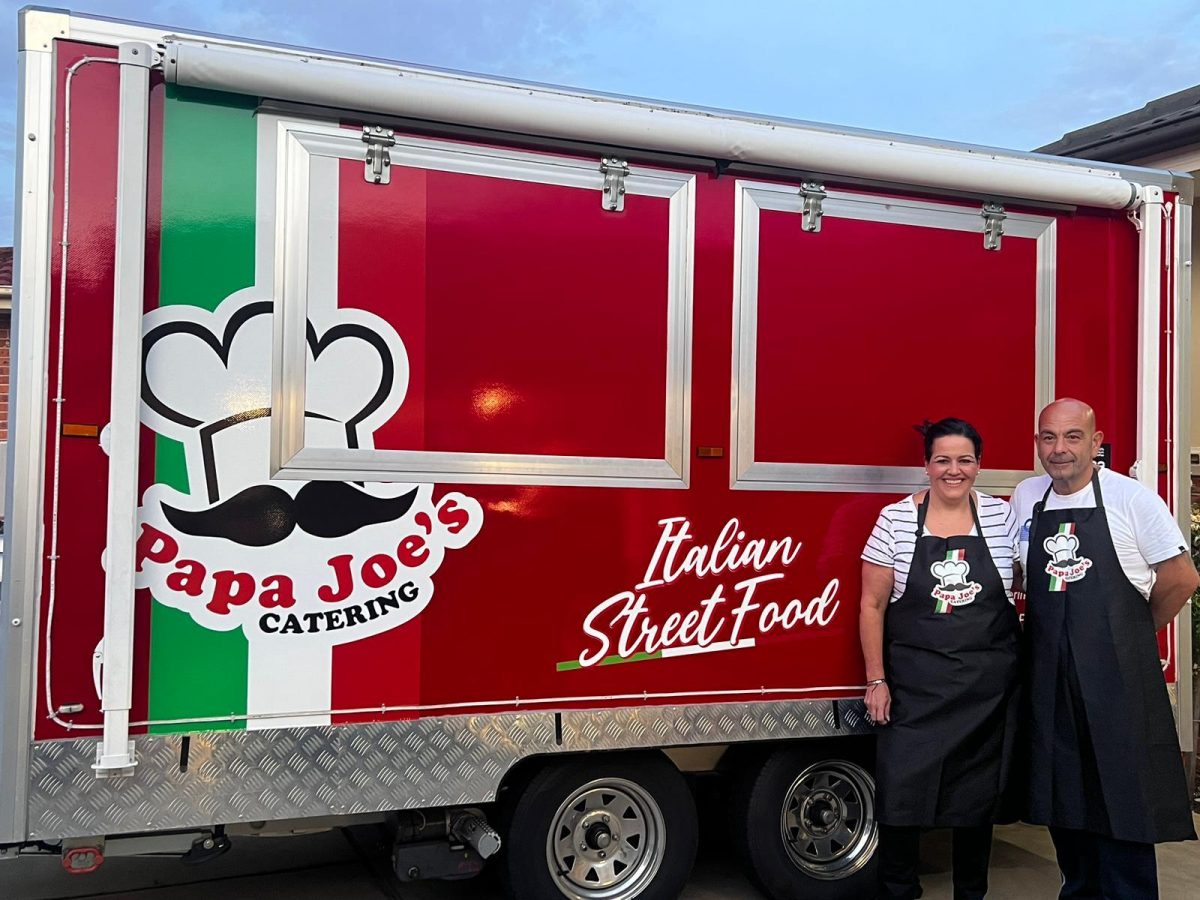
<point>1105,568</point>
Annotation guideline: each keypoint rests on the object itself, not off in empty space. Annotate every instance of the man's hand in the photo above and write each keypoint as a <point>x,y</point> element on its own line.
<point>1175,581</point>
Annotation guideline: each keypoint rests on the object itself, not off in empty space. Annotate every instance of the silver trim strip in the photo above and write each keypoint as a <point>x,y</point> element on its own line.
<point>286,773</point>
<point>37,29</point>
<point>1182,299</point>
<point>26,417</point>
<point>129,273</point>
<point>1046,328</point>
<point>303,190</point>
<point>1150,267</point>
<point>747,473</point>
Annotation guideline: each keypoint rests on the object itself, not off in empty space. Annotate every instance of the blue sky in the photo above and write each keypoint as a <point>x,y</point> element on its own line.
<point>1015,74</point>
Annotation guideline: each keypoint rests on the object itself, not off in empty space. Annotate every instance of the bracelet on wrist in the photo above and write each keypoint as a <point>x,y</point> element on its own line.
<point>876,682</point>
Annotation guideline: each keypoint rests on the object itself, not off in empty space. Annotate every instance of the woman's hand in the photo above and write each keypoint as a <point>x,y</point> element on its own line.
<point>879,703</point>
<point>876,591</point>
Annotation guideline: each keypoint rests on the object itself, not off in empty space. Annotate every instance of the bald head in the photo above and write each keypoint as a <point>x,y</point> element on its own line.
<point>1069,408</point>
<point>1067,441</point>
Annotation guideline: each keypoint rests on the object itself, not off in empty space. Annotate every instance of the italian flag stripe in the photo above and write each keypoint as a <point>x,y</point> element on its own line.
<point>667,653</point>
<point>209,157</point>
<point>1056,583</point>
<point>951,556</point>
<point>572,664</point>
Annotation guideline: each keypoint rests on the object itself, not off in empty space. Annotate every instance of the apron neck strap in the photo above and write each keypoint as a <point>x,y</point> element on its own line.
<point>923,509</point>
<point>1095,489</point>
<point>1037,507</point>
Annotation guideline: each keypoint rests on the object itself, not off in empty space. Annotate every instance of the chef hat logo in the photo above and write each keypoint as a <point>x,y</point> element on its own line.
<point>1063,548</point>
<point>951,571</point>
<point>207,382</point>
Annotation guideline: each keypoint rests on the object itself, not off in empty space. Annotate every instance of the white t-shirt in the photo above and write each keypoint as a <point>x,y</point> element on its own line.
<point>1144,533</point>
<point>894,537</point>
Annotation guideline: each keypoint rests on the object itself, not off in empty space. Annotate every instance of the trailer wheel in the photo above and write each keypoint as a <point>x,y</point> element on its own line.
<point>805,827</point>
<point>603,828</point>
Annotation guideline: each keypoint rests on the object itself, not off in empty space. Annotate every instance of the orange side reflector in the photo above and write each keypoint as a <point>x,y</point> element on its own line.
<point>92,431</point>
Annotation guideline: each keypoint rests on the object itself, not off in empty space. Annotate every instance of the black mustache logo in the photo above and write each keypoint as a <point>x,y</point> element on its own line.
<point>265,514</point>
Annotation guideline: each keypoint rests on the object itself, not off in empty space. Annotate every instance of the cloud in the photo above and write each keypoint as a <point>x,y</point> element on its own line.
<point>1100,76</point>
<point>540,40</point>
<point>277,23</point>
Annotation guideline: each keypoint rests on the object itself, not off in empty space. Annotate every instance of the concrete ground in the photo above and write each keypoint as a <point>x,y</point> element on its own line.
<point>323,866</point>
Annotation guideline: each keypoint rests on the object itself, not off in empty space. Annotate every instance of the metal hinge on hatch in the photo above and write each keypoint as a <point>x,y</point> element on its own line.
<point>812,197</point>
<point>379,162</point>
<point>993,225</point>
<point>614,171</point>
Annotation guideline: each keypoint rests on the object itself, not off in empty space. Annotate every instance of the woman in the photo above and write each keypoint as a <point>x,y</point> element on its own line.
<point>939,635</point>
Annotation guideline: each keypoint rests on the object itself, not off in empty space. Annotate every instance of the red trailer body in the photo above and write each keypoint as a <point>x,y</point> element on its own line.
<point>464,444</point>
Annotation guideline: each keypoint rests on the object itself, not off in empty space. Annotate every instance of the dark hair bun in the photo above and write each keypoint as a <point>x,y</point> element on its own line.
<point>950,427</point>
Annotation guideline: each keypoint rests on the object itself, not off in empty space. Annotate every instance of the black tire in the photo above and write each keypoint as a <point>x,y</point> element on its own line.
<point>651,821</point>
<point>804,826</point>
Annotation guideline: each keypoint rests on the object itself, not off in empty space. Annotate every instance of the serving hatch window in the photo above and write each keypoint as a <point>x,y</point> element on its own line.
<point>892,312</point>
<point>480,317</point>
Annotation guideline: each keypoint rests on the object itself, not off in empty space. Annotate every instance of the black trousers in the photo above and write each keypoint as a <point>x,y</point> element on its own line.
<point>1095,867</point>
<point>899,848</point>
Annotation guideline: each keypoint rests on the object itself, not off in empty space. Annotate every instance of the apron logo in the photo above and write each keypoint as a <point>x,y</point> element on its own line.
<point>954,589</point>
<point>1065,565</point>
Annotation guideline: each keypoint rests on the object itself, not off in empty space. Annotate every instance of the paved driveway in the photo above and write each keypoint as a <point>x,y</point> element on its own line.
<point>326,866</point>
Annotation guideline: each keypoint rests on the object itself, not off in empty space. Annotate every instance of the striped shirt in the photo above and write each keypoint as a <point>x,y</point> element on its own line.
<point>895,535</point>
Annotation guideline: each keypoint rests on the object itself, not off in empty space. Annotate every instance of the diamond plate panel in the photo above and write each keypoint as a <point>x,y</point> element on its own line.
<point>716,723</point>
<point>286,773</point>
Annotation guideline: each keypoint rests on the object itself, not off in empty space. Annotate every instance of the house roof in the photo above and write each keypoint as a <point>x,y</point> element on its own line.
<point>1160,126</point>
<point>6,260</point>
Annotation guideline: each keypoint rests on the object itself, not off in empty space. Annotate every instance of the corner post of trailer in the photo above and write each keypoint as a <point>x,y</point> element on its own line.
<point>115,754</point>
<point>37,30</point>
<point>1181,298</point>
<point>1149,211</point>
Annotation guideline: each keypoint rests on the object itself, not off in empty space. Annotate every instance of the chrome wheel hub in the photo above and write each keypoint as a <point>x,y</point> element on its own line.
<point>606,841</point>
<point>827,820</point>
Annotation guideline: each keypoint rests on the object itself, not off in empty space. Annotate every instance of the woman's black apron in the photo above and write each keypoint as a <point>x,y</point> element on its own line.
<point>950,652</point>
<point>1103,755</point>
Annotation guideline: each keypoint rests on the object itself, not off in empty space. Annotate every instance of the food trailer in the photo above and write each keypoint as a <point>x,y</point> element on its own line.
<point>480,458</point>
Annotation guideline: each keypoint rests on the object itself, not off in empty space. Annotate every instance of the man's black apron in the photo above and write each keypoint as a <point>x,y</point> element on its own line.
<point>1103,754</point>
<point>950,652</point>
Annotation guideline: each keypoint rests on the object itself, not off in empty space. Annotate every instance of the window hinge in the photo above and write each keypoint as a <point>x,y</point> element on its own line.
<point>379,162</point>
<point>993,225</point>
<point>812,198</point>
<point>614,171</point>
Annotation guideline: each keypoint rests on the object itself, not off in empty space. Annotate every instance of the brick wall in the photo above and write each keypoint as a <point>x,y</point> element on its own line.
<point>5,331</point>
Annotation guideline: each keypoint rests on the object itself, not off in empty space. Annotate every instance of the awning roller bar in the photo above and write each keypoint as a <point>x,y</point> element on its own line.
<point>443,97</point>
